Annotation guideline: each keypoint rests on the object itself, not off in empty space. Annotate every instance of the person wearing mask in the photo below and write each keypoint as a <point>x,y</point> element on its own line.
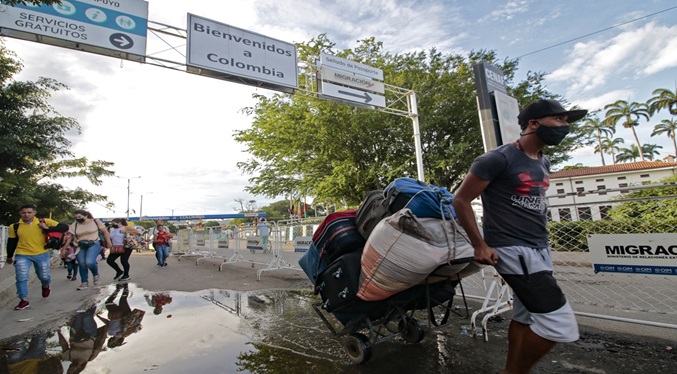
<point>119,233</point>
<point>85,232</point>
<point>512,180</point>
<point>26,246</point>
<point>161,244</point>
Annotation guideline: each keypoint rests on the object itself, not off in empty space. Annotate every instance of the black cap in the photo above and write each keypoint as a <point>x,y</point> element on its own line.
<point>545,108</point>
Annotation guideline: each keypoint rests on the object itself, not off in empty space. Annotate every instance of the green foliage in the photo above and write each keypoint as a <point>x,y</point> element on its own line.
<point>663,206</point>
<point>34,149</point>
<point>335,153</point>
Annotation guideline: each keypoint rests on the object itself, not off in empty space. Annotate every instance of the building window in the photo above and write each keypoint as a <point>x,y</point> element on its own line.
<point>604,211</point>
<point>602,187</point>
<point>564,214</point>
<point>549,215</point>
<point>621,178</point>
<point>580,189</point>
<point>599,180</point>
<point>560,191</point>
<point>579,182</point>
<point>559,184</point>
<point>585,213</point>
<point>644,175</point>
<point>623,185</point>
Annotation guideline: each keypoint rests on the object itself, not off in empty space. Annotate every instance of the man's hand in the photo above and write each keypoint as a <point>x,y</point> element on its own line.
<point>43,225</point>
<point>486,255</point>
<point>10,261</point>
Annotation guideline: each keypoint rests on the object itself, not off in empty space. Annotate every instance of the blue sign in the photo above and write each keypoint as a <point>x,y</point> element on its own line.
<point>198,216</point>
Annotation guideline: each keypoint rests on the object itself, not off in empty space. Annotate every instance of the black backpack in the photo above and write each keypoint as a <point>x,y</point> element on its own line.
<point>53,239</point>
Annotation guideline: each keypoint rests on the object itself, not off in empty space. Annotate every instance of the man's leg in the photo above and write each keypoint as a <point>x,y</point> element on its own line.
<point>22,264</point>
<point>525,348</point>
<point>42,268</point>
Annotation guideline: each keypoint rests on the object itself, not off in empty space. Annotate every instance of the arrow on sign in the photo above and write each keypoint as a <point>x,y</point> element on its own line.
<point>121,41</point>
<point>364,96</point>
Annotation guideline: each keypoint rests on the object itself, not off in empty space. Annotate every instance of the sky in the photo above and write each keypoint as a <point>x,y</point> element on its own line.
<point>169,133</point>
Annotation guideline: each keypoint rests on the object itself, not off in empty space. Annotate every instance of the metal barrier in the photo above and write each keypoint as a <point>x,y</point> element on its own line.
<point>4,232</point>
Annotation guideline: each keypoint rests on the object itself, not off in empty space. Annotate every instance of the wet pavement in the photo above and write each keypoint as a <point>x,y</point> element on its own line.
<point>277,331</point>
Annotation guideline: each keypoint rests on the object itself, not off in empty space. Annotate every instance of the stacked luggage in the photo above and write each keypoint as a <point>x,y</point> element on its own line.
<point>401,250</point>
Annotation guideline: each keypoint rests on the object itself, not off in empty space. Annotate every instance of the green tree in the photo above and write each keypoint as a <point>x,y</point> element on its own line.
<point>661,208</point>
<point>629,114</point>
<point>663,99</point>
<point>335,153</point>
<point>611,146</point>
<point>668,127</point>
<point>650,151</point>
<point>593,126</point>
<point>34,149</point>
<point>628,154</point>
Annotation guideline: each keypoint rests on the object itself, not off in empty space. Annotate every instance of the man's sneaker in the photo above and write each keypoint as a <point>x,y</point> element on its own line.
<point>83,286</point>
<point>46,291</point>
<point>23,304</point>
<point>118,276</point>
<point>165,264</point>
<point>125,278</point>
<point>96,280</point>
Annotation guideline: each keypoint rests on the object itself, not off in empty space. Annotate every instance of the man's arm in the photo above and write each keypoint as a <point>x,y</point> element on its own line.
<point>472,187</point>
<point>12,242</point>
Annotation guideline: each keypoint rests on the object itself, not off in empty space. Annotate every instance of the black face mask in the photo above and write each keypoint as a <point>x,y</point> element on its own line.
<point>80,220</point>
<point>551,135</point>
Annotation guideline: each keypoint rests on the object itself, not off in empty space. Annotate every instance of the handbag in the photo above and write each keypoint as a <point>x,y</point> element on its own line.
<point>84,244</point>
<point>117,249</point>
<point>130,243</point>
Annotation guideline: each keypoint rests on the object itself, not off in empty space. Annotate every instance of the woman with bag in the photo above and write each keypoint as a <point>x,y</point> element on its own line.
<point>123,246</point>
<point>161,245</point>
<point>86,231</point>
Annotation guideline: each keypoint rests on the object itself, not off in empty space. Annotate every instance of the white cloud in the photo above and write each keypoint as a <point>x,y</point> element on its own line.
<point>508,11</point>
<point>634,53</point>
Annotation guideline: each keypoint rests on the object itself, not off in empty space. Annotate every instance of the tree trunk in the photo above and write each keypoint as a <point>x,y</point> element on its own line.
<point>639,145</point>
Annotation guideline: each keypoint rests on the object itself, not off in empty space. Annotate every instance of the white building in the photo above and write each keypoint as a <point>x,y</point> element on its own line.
<point>587,193</point>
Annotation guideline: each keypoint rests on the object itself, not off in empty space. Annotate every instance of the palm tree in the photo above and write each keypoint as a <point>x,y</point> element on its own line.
<point>668,126</point>
<point>651,150</point>
<point>663,99</point>
<point>594,126</point>
<point>628,154</point>
<point>629,113</point>
<point>611,147</point>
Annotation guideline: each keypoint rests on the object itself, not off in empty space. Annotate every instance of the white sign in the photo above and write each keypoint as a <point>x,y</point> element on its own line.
<point>350,66</point>
<point>634,253</point>
<point>254,243</point>
<point>302,243</point>
<point>222,48</point>
<point>351,94</point>
<point>352,80</point>
<point>118,26</point>
<point>508,110</point>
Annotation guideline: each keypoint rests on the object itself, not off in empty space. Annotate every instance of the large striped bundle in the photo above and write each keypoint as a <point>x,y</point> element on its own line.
<point>403,250</point>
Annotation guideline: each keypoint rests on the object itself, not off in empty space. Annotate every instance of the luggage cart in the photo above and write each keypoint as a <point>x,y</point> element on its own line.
<point>365,324</point>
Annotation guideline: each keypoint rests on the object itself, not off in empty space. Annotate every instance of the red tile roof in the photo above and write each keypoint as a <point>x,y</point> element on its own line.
<point>632,166</point>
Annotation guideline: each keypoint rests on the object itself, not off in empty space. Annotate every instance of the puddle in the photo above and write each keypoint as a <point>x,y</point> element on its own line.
<point>212,331</point>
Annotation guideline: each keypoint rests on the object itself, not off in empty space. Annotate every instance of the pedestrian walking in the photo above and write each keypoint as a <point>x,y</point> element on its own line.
<point>68,255</point>
<point>512,180</point>
<point>121,237</point>
<point>161,244</point>
<point>87,233</point>
<point>26,246</point>
<point>264,232</point>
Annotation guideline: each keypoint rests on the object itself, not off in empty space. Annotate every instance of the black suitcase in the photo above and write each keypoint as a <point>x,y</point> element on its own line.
<point>339,282</point>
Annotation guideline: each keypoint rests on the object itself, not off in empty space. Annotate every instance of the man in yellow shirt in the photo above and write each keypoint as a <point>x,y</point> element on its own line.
<point>26,246</point>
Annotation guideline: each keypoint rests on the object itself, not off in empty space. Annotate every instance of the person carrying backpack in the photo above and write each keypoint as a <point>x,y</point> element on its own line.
<point>25,246</point>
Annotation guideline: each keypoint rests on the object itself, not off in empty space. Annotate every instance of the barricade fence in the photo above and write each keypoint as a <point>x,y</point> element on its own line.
<point>4,231</point>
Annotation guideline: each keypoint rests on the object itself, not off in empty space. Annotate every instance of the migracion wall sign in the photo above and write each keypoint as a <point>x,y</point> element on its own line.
<point>107,27</point>
<point>654,254</point>
<point>226,52</point>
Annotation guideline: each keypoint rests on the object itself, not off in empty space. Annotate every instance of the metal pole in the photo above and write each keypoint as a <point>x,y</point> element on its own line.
<point>141,209</point>
<point>413,108</point>
<point>128,184</point>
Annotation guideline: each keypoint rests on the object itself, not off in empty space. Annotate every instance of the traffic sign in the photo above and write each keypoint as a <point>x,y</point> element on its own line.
<point>352,80</point>
<point>350,66</point>
<point>351,94</point>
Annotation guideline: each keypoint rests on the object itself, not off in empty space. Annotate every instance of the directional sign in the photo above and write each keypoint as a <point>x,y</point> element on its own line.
<point>350,66</point>
<point>351,94</point>
<point>112,28</point>
<point>352,80</point>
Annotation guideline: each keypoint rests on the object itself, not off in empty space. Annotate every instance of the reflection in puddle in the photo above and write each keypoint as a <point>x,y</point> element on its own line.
<point>212,331</point>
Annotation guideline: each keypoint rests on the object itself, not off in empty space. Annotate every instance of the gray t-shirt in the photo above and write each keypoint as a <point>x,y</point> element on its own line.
<point>514,202</point>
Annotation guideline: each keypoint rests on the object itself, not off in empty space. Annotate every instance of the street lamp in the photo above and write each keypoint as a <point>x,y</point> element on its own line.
<point>128,191</point>
<point>141,205</point>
